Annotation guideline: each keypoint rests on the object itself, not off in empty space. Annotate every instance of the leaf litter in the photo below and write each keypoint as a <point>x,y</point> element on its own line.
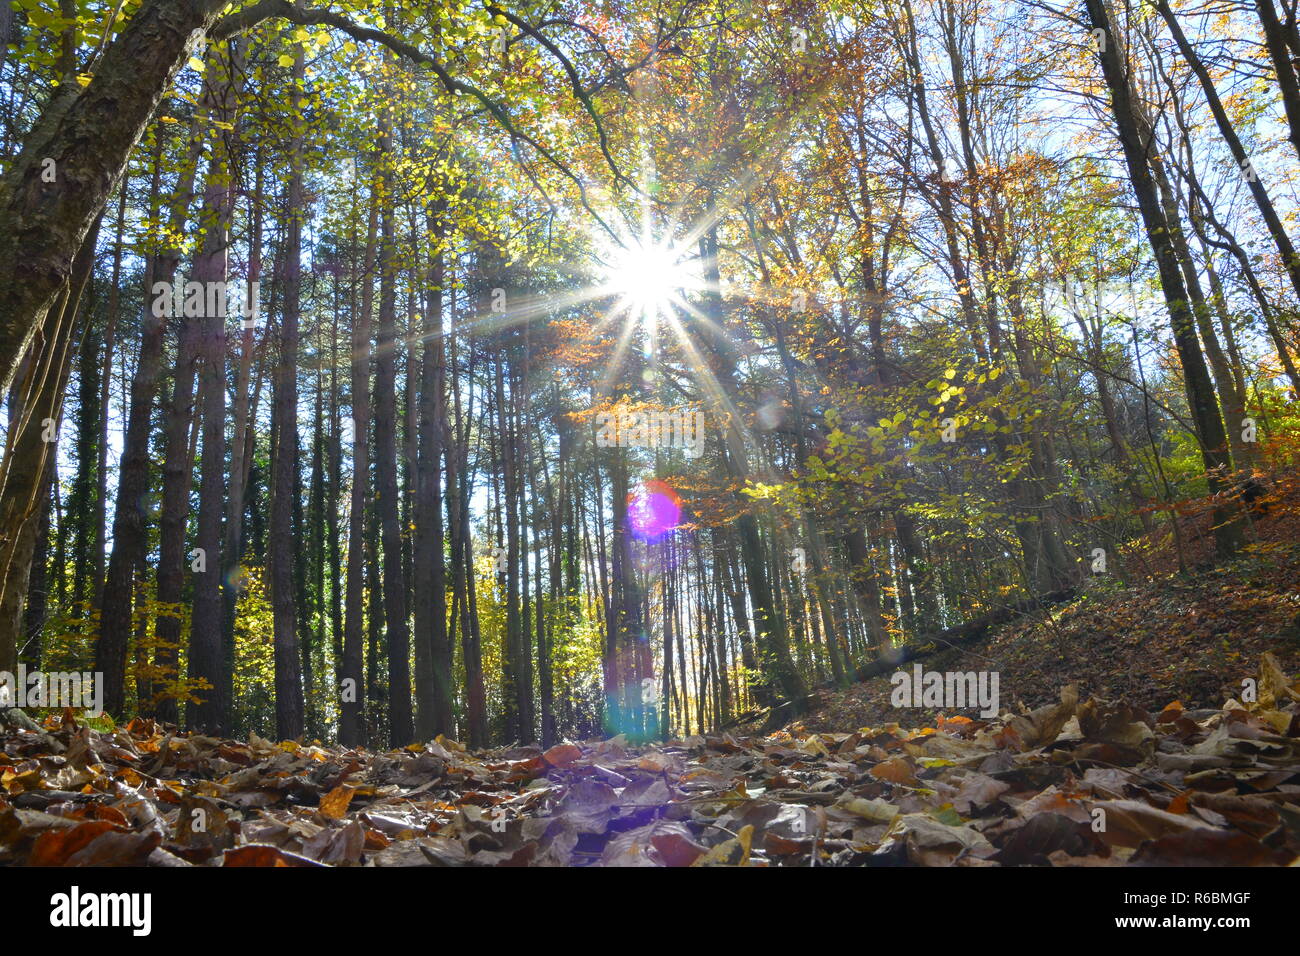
<point>1091,783</point>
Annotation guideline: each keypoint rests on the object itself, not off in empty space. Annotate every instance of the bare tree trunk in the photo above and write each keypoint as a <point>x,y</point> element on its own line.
<point>433,657</point>
<point>130,530</point>
<point>88,134</point>
<point>232,577</point>
<point>456,443</point>
<point>401,728</point>
<point>1200,391</point>
<point>29,444</point>
<point>350,726</point>
<point>211,269</point>
<point>283,545</point>
<point>1288,82</point>
<point>105,398</point>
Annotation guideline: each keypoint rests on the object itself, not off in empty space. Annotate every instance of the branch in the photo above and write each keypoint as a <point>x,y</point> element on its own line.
<point>575,82</point>
<point>249,17</point>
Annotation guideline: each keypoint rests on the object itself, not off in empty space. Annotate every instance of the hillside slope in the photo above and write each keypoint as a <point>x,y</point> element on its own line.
<point>1171,636</point>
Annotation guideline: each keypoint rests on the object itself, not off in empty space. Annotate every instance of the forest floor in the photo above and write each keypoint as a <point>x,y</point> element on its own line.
<point>1127,737</point>
<point>1074,783</point>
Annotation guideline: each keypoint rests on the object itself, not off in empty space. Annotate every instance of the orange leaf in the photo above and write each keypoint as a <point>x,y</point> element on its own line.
<point>561,755</point>
<point>895,770</point>
<point>335,803</point>
<point>261,854</point>
<point>53,847</point>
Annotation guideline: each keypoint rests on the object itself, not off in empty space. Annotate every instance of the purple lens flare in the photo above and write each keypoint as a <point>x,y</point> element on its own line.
<point>653,510</point>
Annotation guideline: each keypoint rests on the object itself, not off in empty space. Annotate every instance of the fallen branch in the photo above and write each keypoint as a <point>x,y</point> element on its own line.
<point>892,657</point>
<point>959,635</point>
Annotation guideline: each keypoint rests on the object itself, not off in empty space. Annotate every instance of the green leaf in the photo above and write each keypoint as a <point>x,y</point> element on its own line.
<point>947,815</point>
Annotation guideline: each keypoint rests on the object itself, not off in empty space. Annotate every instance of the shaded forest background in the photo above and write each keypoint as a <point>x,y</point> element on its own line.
<point>970,296</point>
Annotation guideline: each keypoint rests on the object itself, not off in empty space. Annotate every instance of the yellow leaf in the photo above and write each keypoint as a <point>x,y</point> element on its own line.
<point>733,852</point>
<point>876,811</point>
<point>814,745</point>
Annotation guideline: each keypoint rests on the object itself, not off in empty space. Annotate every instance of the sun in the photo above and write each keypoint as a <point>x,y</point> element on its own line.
<point>649,278</point>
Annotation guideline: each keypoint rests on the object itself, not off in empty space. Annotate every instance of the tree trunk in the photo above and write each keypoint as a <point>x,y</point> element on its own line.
<point>353,687</point>
<point>211,267</point>
<point>433,657</point>
<point>400,724</point>
<point>29,447</point>
<point>89,134</point>
<point>283,544</point>
<point>130,523</point>
<point>1200,391</point>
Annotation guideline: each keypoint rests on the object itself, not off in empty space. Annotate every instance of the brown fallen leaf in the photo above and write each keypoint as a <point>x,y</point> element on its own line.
<point>1130,822</point>
<point>116,848</point>
<point>1043,725</point>
<point>1208,847</point>
<point>53,847</point>
<point>20,782</point>
<point>336,846</point>
<point>1116,723</point>
<point>674,846</point>
<point>260,854</point>
<point>896,770</point>
<point>561,755</point>
<point>1045,834</point>
<point>875,811</point>
<point>929,842</point>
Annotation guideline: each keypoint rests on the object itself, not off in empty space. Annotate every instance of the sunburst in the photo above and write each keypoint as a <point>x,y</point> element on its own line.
<point>649,278</point>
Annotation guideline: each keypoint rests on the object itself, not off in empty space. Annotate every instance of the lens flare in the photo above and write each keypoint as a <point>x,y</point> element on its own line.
<point>649,278</point>
<point>653,510</point>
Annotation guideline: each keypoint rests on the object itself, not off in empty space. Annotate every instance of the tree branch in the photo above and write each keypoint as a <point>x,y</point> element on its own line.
<point>250,17</point>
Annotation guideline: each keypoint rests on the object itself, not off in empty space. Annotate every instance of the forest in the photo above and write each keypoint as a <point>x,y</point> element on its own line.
<point>411,390</point>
